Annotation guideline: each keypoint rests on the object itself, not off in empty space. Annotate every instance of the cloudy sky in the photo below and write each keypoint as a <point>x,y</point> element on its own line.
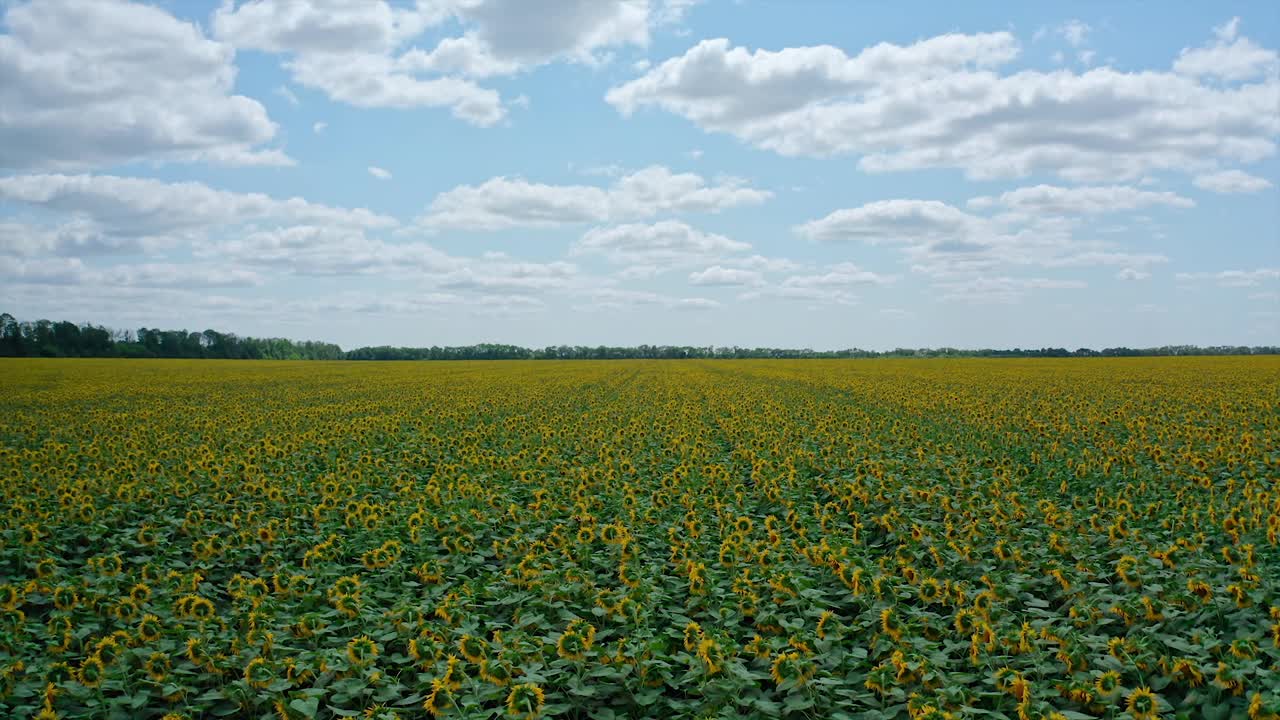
<point>793,173</point>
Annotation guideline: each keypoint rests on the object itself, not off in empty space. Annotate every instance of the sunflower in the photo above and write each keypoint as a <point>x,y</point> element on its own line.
<point>711,655</point>
<point>1260,709</point>
<point>362,651</point>
<point>440,699</point>
<point>107,649</point>
<point>1143,704</point>
<point>890,625</point>
<point>1228,678</point>
<point>692,635</point>
<point>792,667</point>
<point>65,598</point>
<point>91,671</point>
<point>452,674</point>
<point>259,673</point>
<point>826,617</point>
<point>1185,670</point>
<point>472,648</point>
<point>348,605</point>
<point>571,646</point>
<point>878,681</point>
<point>497,673</point>
<point>140,593</point>
<point>930,590</point>
<point>195,652</point>
<point>1107,683</point>
<point>525,701</point>
<point>149,628</point>
<point>157,666</point>
<point>10,596</point>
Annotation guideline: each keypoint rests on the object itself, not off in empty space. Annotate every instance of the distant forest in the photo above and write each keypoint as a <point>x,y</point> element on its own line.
<point>47,338</point>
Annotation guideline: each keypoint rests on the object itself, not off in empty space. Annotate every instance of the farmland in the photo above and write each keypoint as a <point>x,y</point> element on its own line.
<point>821,539</point>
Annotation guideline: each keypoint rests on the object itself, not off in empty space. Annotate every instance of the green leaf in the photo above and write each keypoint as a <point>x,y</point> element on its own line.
<point>307,706</point>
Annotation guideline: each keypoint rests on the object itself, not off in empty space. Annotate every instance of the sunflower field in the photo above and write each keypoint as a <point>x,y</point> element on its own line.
<point>923,539</point>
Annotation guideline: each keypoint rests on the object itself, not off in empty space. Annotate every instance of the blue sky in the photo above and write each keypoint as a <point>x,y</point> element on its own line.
<point>727,172</point>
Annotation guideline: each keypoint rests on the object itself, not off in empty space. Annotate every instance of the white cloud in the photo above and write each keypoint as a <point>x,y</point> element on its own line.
<point>133,207</point>
<point>319,127</point>
<point>88,83</point>
<point>1036,230</point>
<point>1232,181</point>
<point>1233,278</point>
<point>284,92</point>
<point>719,276</point>
<point>375,81</point>
<point>1074,32</point>
<point>765,264</point>
<point>504,275</point>
<point>891,221</point>
<point>665,244</point>
<point>818,295</point>
<point>987,290</point>
<point>942,103</point>
<point>466,55</point>
<point>673,11</point>
<point>72,271</point>
<point>359,53</point>
<point>379,173</point>
<point>1132,274</point>
<point>601,299</point>
<point>1077,200</point>
<point>503,202</point>
<point>839,275</point>
<point>74,237</point>
<point>506,305</point>
<point>312,250</point>
<point>1230,58</point>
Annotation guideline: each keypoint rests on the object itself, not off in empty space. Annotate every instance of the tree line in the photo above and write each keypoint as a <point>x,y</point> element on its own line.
<point>46,338</point>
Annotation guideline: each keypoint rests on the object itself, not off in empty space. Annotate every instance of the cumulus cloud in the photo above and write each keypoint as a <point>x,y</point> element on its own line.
<point>944,102</point>
<point>1232,181</point>
<point>838,276</point>
<point>1233,278</point>
<point>508,276</point>
<point>662,245</point>
<point>1229,57</point>
<point>1132,274</point>
<point>328,250</point>
<point>90,83</point>
<point>607,298</point>
<point>1004,290</point>
<point>503,202</point>
<point>718,276</point>
<point>811,295</point>
<point>379,173</point>
<point>1080,200</point>
<point>127,206</point>
<point>362,53</point>
<point>1036,229</point>
<point>892,221</point>
<point>74,272</point>
<point>1075,32</point>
